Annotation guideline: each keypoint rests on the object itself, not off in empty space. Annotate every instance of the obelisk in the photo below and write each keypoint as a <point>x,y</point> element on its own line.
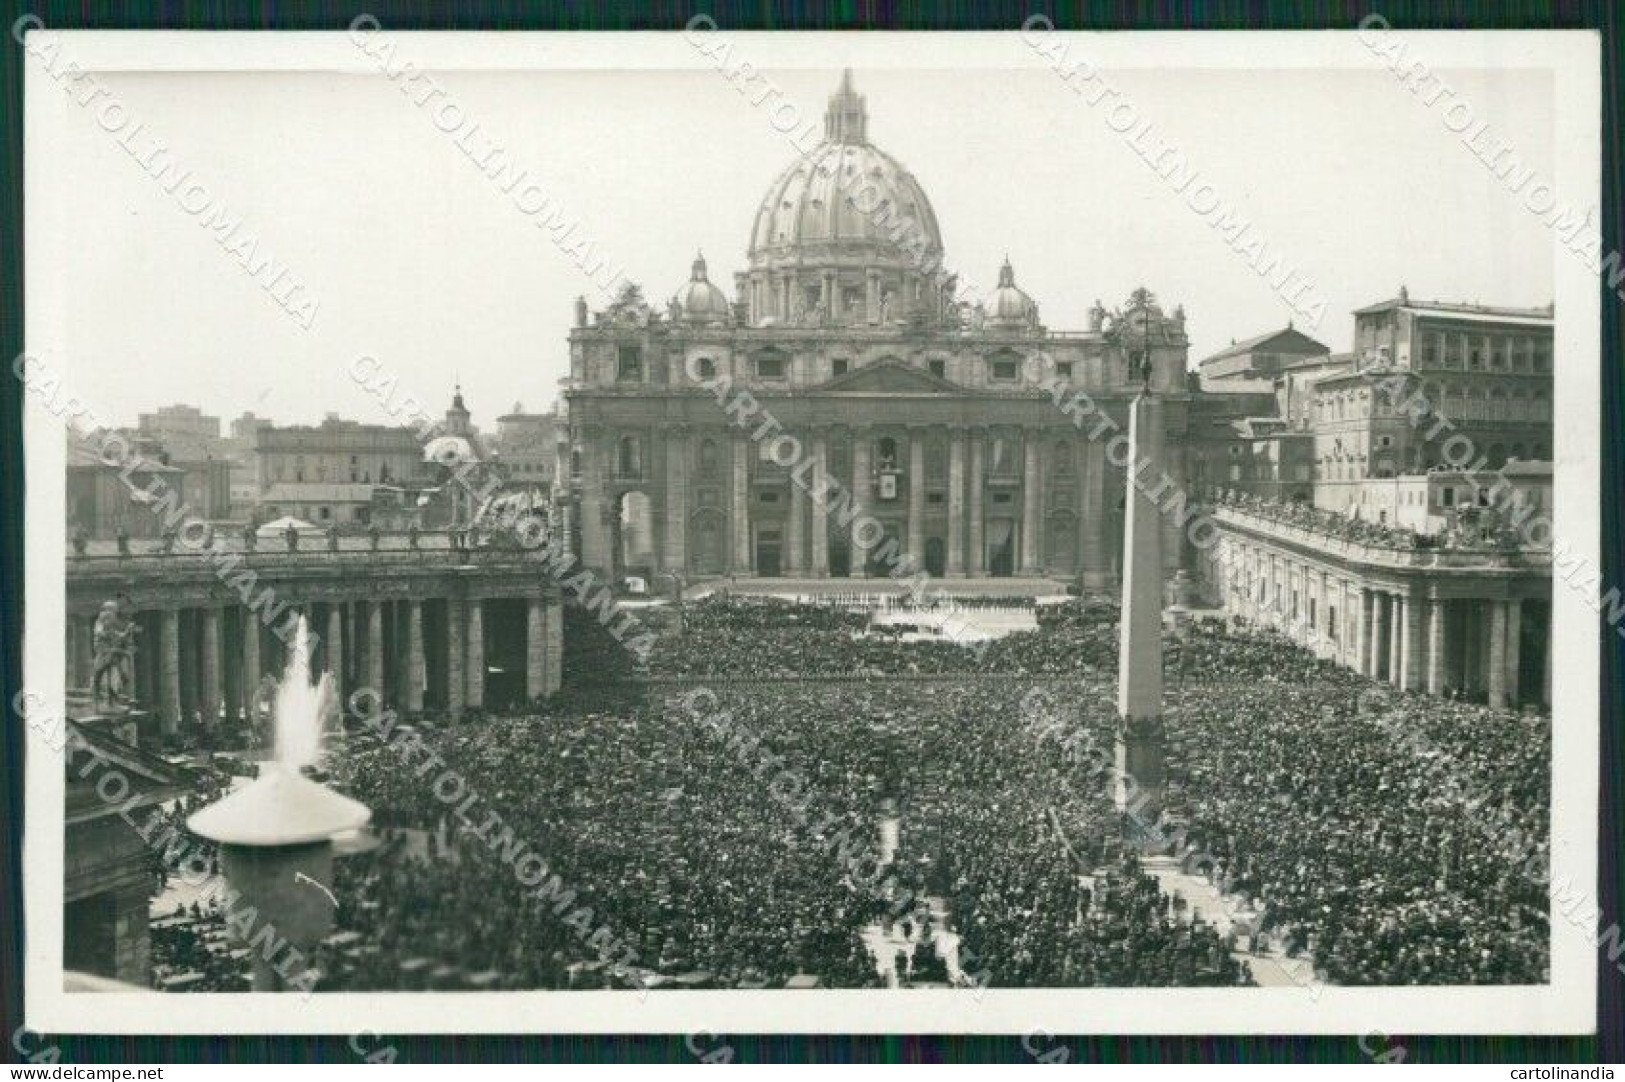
<point>1141,769</point>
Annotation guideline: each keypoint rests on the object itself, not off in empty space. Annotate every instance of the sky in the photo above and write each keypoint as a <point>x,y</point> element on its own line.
<point>416,259</point>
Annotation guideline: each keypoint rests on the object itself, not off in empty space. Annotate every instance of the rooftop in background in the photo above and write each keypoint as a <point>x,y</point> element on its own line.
<point>1455,309</point>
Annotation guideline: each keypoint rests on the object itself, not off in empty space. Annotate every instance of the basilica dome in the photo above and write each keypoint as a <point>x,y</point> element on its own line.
<point>847,197</point>
<point>1009,306</point>
<point>701,302</point>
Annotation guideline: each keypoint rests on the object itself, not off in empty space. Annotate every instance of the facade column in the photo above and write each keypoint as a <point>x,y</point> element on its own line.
<point>741,563</point>
<point>456,672</point>
<point>476,654</point>
<point>555,644</point>
<point>819,497</point>
<point>335,648</point>
<point>171,691</point>
<point>676,493</point>
<point>1514,652</point>
<point>795,530</point>
<point>596,537</point>
<point>535,648</point>
<point>1496,676</point>
<point>872,297</point>
<point>916,497</point>
<point>1436,646</point>
<point>1396,636</point>
<point>862,497</point>
<point>1092,552</point>
<point>975,546</point>
<point>1030,558</point>
<point>956,503</point>
<point>375,649</point>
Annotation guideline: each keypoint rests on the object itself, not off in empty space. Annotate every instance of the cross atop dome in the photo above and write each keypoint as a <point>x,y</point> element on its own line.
<point>847,119</point>
<point>697,271</point>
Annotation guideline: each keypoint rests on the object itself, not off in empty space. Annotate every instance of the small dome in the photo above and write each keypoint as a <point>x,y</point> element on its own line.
<point>1009,306</point>
<point>450,451</point>
<point>700,301</point>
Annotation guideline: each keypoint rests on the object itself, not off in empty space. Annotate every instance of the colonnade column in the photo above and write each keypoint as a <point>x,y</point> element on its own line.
<point>819,498</point>
<point>416,670</point>
<point>916,496</point>
<point>209,706</point>
<point>676,492</point>
<point>1497,674</point>
<point>375,648</point>
<point>1374,660</point>
<point>456,672</point>
<point>741,562</point>
<point>1362,649</point>
<point>476,654</point>
<point>956,503</point>
<point>975,547</point>
<point>1411,677</point>
<point>251,663</point>
<point>171,677</point>
<point>1436,646</point>
<point>335,648</point>
<point>1514,652</point>
<point>861,498</point>
<point>535,648</point>
<point>1029,502</point>
<point>1396,635</point>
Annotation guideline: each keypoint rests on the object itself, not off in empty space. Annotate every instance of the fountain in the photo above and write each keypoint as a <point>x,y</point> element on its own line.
<point>276,833</point>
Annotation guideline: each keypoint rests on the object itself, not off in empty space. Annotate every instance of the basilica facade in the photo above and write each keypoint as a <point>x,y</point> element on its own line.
<point>941,409</point>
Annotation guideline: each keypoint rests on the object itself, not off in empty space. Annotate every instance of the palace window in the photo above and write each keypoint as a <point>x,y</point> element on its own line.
<point>707,368</point>
<point>1063,369</point>
<point>631,457</point>
<point>629,364</point>
<point>770,366</point>
<point>1004,370</point>
<point>839,366</point>
<point>938,369</point>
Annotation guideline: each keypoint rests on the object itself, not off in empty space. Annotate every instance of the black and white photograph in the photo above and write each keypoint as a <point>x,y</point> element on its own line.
<point>712,531</point>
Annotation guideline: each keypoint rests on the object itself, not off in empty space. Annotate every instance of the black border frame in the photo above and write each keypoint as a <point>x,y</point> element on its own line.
<point>1608,1045</point>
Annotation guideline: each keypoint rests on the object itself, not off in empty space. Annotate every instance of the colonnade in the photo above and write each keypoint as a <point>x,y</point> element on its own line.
<point>1477,632</point>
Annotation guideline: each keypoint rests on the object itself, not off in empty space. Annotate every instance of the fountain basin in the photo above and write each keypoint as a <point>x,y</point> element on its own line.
<point>280,807</point>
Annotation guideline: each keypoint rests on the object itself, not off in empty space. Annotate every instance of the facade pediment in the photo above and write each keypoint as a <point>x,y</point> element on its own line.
<point>890,377</point>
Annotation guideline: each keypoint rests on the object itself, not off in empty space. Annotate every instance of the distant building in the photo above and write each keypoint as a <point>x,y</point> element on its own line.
<point>527,447</point>
<point>1258,360</point>
<point>326,473</point>
<point>185,432</point>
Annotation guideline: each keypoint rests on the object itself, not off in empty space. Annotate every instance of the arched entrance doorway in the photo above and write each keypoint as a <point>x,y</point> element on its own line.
<point>769,550</point>
<point>936,562</point>
<point>1061,543</point>
<point>1001,548</point>
<point>840,555</point>
<point>706,555</point>
<point>633,541</point>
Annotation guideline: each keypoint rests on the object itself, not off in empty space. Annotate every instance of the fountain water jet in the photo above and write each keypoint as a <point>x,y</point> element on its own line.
<point>276,833</point>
